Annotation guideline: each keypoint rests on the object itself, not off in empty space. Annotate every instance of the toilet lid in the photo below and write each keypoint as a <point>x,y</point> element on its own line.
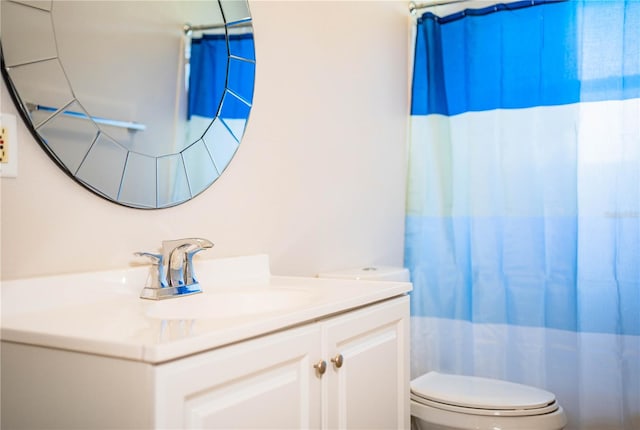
<point>479,393</point>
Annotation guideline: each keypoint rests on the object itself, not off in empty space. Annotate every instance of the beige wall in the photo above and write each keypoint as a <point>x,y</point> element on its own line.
<point>318,182</point>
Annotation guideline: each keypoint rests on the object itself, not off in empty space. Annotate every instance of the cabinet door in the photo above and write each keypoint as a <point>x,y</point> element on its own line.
<point>369,389</point>
<point>266,383</point>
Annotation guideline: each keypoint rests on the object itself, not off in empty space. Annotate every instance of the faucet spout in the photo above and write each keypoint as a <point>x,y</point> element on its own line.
<point>180,254</point>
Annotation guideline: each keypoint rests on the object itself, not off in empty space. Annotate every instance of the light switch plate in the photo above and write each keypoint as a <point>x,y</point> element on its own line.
<point>8,146</point>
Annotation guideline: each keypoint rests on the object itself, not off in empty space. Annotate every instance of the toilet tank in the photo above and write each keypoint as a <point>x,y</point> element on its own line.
<point>371,273</point>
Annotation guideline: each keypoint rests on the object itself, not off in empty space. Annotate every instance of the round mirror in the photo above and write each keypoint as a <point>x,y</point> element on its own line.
<point>142,102</point>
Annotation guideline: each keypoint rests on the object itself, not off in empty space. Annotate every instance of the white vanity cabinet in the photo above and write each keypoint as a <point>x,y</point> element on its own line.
<point>349,371</point>
<point>261,383</point>
<point>370,390</point>
<point>268,381</point>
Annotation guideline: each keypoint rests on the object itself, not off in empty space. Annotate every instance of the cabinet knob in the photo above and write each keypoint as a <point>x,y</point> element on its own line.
<point>337,361</point>
<point>321,367</point>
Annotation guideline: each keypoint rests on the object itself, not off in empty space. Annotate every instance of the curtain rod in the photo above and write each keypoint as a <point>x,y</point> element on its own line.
<point>188,28</point>
<point>414,7</point>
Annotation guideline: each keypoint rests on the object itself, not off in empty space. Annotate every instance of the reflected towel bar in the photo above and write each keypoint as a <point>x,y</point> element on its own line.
<point>132,126</point>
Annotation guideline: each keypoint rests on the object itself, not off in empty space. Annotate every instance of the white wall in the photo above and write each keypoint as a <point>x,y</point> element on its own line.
<point>318,182</point>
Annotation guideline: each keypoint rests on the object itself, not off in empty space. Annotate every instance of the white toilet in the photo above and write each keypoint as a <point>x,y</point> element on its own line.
<point>453,402</point>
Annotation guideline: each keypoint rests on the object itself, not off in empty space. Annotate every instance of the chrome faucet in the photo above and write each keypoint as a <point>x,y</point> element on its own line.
<point>179,278</point>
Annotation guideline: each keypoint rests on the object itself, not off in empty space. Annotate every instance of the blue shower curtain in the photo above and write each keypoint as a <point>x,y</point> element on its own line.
<point>212,56</point>
<point>523,207</point>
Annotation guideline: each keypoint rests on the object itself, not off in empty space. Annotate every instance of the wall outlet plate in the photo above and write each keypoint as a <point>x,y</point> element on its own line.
<point>8,146</point>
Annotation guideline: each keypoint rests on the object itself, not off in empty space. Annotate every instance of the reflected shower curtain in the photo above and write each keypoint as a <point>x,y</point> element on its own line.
<point>523,211</point>
<point>209,64</point>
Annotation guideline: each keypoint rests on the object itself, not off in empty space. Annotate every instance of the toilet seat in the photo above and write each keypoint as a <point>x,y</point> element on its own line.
<point>481,396</point>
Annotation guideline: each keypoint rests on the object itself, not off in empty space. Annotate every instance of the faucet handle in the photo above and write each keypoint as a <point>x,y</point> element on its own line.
<point>157,258</point>
<point>158,279</point>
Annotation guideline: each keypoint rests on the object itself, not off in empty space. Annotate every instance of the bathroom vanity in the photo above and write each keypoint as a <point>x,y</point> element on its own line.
<point>252,351</point>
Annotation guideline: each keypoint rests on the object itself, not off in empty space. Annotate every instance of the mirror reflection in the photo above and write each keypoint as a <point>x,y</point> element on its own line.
<point>143,102</point>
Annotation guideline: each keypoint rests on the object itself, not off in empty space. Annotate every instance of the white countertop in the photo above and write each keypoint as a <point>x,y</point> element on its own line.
<point>101,313</point>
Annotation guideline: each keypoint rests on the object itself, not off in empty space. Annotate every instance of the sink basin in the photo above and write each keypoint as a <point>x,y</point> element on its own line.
<point>228,304</point>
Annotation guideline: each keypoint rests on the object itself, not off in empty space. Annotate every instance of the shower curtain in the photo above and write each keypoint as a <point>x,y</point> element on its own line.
<point>523,202</point>
<point>212,72</point>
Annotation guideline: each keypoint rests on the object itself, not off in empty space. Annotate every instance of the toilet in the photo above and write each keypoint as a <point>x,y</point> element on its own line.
<point>441,401</point>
